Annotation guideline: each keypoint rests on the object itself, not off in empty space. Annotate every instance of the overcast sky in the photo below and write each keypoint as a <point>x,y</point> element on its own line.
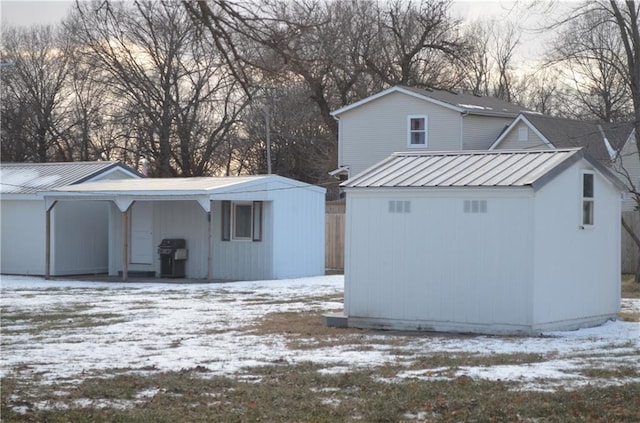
<point>27,12</point>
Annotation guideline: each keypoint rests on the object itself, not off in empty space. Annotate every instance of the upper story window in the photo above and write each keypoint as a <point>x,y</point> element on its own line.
<point>587,198</point>
<point>417,131</point>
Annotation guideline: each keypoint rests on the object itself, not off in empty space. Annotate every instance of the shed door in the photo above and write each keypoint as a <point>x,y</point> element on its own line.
<point>142,233</point>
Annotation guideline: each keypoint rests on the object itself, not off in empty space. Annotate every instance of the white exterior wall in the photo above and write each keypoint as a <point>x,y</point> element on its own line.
<point>577,272</point>
<point>512,142</point>
<point>298,235</point>
<point>292,242</point>
<point>22,234</point>
<point>243,259</point>
<point>479,132</point>
<point>375,130</point>
<point>80,235</point>
<point>438,268</point>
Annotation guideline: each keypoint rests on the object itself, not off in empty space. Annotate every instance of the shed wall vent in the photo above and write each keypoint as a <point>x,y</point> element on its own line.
<point>475,206</point>
<point>399,206</point>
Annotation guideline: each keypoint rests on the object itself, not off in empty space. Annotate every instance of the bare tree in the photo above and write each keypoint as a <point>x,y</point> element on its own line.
<point>608,38</point>
<point>179,95</point>
<point>33,93</point>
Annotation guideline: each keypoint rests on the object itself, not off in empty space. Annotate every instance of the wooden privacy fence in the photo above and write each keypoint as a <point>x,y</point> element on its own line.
<point>630,251</point>
<point>334,235</point>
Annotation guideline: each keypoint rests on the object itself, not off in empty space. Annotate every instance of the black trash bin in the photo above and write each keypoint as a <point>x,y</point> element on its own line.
<point>173,256</point>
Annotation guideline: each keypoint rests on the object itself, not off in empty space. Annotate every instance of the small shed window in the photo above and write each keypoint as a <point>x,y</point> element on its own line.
<point>242,221</point>
<point>587,198</point>
<point>417,136</point>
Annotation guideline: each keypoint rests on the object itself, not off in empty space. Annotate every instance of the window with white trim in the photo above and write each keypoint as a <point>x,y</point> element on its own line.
<point>242,221</point>
<point>417,131</point>
<point>523,133</point>
<point>587,198</point>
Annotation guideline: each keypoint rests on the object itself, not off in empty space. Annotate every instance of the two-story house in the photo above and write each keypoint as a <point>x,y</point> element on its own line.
<point>411,119</point>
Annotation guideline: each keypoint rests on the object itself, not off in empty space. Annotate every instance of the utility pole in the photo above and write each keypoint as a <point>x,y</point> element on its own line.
<point>268,133</point>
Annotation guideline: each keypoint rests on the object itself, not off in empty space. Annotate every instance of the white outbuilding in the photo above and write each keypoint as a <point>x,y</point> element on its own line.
<point>213,228</point>
<point>499,242</point>
<point>73,229</point>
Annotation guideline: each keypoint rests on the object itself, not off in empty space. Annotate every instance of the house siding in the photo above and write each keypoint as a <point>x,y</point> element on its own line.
<point>512,142</point>
<point>479,132</point>
<point>298,252</point>
<point>576,286</point>
<point>437,267</point>
<point>373,131</point>
<point>628,163</point>
<point>22,241</point>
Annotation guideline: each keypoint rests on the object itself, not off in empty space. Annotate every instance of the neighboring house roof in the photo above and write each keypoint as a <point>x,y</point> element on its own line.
<point>463,103</point>
<point>29,178</point>
<point>600,140</point>
<point>498,168</point>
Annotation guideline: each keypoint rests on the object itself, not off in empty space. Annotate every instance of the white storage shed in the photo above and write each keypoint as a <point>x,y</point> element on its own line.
<point>499,242</point>
<point>232,228</point>
<point>73,229</point>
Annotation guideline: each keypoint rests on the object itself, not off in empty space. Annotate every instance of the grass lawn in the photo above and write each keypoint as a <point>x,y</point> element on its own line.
<point>416,382</point>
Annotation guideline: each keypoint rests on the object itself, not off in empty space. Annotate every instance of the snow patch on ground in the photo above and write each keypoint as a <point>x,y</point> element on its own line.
<point>141,327</point>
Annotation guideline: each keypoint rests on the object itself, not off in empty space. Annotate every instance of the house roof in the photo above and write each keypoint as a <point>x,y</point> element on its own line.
<point>600,140</point>
<point>498,168</point>
<point>463,103</point>
<point>29,178</point>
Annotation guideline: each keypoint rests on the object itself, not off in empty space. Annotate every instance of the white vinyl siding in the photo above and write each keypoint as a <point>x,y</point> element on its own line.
<point>512,140</point>
<point>375,130</point>
<point>479,132</point>
<point>578,271</point>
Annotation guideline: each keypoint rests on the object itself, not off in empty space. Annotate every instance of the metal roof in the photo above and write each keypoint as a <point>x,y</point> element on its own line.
<point>498,168</point>
<point>464,103</point>
<point>173,186</point>
<point>29,178</point>
<point>157,185</point>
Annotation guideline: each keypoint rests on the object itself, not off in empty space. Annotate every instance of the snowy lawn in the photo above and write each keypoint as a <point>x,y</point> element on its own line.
<point>62,334</point>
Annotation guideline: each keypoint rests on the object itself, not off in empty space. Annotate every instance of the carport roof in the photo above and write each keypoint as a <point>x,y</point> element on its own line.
<point>497,168</point>
<point>196,185</point>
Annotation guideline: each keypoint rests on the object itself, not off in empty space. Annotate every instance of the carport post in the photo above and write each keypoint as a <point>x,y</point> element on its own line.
<point>47,248</point>
<point>125,244</point>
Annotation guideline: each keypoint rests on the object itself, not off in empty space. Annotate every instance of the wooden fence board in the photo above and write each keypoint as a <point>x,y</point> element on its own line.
<point>334,241</point>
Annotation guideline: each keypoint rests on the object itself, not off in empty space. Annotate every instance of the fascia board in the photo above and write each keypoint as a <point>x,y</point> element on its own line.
<point>392,90</point>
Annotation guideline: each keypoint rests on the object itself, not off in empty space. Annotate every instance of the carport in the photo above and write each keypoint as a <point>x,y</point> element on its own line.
<point>238,228</point>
